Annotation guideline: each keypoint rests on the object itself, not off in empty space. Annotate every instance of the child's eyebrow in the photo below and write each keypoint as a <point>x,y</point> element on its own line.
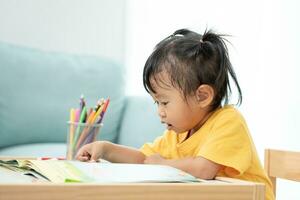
<point>160,96</point>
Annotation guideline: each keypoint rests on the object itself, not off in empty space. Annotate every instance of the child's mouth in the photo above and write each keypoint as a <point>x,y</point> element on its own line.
<point>169,126</point>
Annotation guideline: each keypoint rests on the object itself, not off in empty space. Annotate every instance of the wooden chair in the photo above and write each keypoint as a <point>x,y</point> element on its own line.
<point>282,164</point>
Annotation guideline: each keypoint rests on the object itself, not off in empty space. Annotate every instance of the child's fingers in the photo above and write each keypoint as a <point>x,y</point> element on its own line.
<point>83,155</point>
<point>83,158</point>
<point>88,152</point>
<point>83,152</point>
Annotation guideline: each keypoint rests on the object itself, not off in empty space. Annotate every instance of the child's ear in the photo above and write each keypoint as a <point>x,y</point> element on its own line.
<point>205,95</point>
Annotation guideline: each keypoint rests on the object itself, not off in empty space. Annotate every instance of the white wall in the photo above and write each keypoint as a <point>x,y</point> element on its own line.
<point>93,27</point>
<point>265,38</point>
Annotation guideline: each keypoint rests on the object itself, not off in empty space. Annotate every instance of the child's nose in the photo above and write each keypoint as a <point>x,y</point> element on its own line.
<point>161,112</point>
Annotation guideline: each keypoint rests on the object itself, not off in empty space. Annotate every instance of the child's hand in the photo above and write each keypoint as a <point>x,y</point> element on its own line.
<point>154,159</point>
<point>90,152</point>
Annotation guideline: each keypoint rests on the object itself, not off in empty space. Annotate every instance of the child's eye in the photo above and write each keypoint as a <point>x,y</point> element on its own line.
<point>164,103</point>
<point>161,103</point>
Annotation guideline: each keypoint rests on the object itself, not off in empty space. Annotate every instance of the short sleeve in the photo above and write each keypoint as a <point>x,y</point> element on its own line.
<point>154,147</point>
<point>229,144</point>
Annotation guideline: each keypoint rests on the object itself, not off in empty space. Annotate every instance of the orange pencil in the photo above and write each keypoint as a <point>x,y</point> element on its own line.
<point>86,129</point>
<point>103,111</point>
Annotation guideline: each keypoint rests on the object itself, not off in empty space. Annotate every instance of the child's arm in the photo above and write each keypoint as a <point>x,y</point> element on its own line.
<point>110,152</point>
<point>198,167</point>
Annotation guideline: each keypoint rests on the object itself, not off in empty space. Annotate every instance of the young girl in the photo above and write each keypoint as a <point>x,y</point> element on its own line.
<point>187,75</point>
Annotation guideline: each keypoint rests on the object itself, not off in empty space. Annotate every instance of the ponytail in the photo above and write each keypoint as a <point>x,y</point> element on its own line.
<point>222,83</point>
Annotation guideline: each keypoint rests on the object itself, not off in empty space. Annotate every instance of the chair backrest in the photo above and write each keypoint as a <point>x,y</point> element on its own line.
<point>282,164</point>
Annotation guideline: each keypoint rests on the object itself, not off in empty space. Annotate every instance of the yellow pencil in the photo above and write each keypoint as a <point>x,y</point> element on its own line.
<point>86,129</point>
<point>71,133</point>
<point>92,119</point>
<point>97,113</point>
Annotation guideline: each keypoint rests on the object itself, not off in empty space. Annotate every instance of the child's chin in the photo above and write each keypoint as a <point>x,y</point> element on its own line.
<point>171,128</point>
<point>177,131</point>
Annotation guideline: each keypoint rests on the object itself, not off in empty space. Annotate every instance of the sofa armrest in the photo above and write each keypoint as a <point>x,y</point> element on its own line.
<point>140,122</point>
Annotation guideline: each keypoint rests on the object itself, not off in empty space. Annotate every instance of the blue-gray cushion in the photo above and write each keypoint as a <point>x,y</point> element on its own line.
<point>38,88</point>
<point>140,123</point>
<point>35,150</point>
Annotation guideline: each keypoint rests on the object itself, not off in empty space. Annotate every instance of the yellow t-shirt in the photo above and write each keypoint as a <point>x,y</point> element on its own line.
<point>223,139</point>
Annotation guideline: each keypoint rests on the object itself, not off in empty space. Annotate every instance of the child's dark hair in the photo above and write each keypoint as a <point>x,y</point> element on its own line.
<point>192,59</point>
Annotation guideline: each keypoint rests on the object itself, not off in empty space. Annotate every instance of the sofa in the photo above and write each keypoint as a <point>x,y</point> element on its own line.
<point>38,89</point>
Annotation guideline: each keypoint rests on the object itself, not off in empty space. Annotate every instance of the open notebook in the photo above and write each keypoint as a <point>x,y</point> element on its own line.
<point>61,171</point>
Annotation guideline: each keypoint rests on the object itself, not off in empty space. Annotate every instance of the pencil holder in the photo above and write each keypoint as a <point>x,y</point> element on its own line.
<point>80,134</point>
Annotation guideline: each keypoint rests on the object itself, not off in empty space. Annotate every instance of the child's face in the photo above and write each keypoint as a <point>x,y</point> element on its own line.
<point>179,114</point>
